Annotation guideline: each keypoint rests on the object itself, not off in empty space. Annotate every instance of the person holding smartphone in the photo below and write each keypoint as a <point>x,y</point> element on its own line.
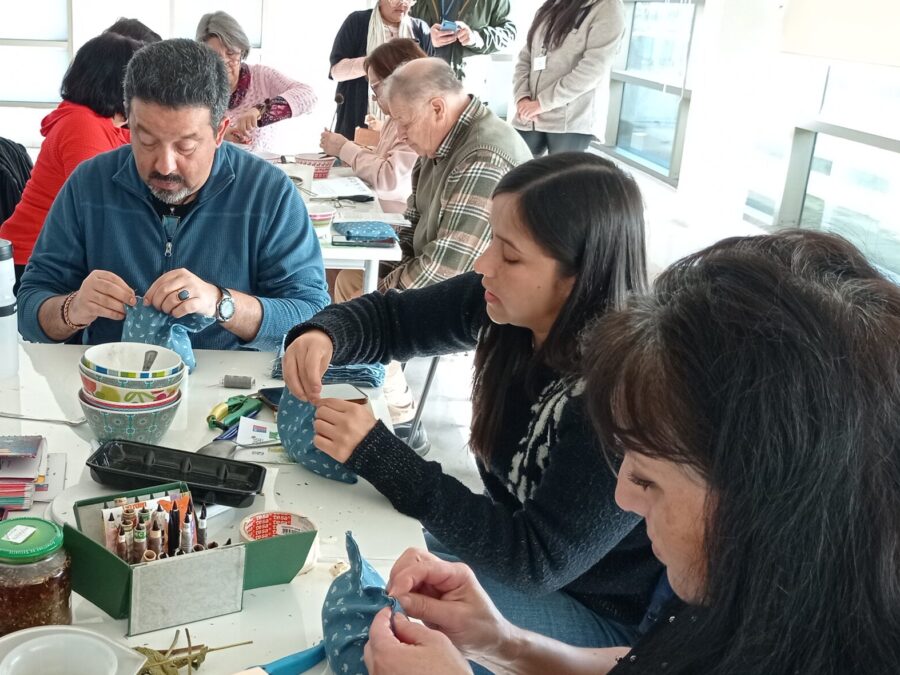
<point>462,28</point>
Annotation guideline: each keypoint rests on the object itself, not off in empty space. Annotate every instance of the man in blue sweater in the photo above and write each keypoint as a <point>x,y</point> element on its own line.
<point>193,225</point>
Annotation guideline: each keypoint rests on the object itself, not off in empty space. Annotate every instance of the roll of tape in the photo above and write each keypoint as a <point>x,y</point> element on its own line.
<point>274,523</point>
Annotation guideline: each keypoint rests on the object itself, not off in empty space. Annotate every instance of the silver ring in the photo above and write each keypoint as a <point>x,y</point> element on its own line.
<point>184,294</point>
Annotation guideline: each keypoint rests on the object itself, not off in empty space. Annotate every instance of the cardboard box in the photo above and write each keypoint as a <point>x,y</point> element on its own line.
<point>177,590</point>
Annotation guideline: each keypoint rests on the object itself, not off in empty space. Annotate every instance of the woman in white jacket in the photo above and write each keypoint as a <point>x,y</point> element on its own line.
<point>562,75</point>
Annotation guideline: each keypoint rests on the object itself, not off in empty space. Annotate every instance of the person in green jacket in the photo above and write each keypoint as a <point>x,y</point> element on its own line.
<point>481,27</point>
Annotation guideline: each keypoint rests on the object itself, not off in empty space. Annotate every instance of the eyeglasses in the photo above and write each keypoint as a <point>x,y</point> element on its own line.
<point>397,4</point>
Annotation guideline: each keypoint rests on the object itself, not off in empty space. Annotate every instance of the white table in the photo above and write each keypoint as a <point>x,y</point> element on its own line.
<point>356,257</point>
<point>279,619</point>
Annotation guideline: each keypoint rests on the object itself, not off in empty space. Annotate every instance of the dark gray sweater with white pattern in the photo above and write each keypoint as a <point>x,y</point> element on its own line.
<point>547,519</point>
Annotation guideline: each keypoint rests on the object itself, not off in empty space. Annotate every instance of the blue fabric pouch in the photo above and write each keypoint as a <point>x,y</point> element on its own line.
<point>359,374</point>
<point>152,327</point>
<point>295,428</point>
<point>367,230</point>
<point>353,600</point>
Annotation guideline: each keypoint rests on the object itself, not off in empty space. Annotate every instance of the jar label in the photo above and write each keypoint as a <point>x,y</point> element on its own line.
<point>19,533</point>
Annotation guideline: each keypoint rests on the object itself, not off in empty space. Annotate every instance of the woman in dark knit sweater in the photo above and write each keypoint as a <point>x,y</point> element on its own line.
<point>546,536</point>
<point>754,398</point>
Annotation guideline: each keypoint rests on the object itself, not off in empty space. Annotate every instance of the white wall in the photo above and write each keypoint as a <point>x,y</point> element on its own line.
<point>295,37</point>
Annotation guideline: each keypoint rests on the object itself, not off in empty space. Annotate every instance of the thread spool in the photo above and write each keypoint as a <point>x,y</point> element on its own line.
<point>238,382</point>
<point>149,556</point>
<point>197,548</point>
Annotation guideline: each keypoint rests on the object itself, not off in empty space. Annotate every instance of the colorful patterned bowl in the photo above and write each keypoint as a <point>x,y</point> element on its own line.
<point>142,426</point>
<point>125,359</point>
<point>130,382</point>
<point>134,405</point>
<point>321,215</point>
<point>129,394</point>
<point>321,165</point>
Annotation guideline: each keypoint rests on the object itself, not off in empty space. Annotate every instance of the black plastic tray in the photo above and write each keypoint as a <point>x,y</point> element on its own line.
<point>129,466</point>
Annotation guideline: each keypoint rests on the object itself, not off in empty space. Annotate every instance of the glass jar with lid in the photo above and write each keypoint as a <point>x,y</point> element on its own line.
<point>35,577</point>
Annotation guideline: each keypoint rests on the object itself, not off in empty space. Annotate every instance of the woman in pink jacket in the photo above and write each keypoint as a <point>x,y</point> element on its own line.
<point>260,95</point>
<point>387,168</point>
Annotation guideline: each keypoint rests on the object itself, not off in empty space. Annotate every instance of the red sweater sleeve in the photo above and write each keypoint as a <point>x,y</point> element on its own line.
<point>74,148</point>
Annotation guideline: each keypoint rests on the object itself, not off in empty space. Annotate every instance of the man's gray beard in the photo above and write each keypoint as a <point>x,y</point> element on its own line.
<point>170,197</point>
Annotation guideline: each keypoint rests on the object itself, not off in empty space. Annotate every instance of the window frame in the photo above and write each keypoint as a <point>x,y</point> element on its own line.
<point>620,76</point>
<point>38,44</point>
<point>789,212</point>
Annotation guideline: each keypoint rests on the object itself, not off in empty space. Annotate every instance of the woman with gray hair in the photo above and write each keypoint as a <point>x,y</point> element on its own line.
<point>260,95</point>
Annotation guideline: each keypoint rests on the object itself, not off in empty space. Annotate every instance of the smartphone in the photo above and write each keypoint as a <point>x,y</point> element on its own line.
<point>348,392</point>
<point>341,240</point>
<point>448,25</point>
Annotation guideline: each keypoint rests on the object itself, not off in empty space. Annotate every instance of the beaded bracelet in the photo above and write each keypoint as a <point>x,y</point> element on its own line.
<point>65,312</point>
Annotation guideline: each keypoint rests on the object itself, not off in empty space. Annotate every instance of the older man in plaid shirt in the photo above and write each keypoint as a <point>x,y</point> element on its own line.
<point>464,150</point>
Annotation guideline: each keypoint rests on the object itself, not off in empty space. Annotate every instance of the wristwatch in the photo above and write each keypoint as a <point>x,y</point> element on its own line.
<point>225,306</point>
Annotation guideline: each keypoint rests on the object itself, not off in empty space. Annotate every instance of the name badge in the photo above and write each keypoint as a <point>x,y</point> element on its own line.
<point>539,63</point>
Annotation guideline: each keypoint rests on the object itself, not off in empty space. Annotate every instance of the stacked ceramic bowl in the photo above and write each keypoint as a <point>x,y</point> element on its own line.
<point>130,391</point>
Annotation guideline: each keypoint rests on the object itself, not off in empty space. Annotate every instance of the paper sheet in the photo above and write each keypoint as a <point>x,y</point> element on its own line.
<point>331,188</point>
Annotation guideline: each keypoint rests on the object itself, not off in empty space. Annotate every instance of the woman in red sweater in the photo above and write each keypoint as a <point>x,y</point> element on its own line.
<point>87,122</point>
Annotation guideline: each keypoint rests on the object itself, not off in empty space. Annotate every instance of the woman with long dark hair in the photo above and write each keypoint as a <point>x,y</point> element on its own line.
<point>568,245</point>
<point>752,400</point>
<point>89,121</point>
<point>561,80</point>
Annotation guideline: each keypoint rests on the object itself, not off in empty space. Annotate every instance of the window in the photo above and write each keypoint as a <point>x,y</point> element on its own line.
<point>647,124</point>
<point>649,96</point>
<point>831,159</point>
<point>845,181</point>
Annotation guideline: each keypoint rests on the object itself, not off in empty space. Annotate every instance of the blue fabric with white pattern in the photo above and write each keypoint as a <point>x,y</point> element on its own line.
<point>148,325</point>
<point>351,603</point>
<point>359,374</point>
<point>368,230</point>
<point>295,428</point>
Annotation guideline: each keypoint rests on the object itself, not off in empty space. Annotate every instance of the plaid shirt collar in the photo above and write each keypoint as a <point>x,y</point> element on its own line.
<point>462,124</point>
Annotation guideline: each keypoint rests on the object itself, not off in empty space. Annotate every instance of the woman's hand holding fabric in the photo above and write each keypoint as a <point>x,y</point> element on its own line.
<point>401,647</point>
<point>447,597</point>
<point>340,426</point>
<point>304,364</point>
